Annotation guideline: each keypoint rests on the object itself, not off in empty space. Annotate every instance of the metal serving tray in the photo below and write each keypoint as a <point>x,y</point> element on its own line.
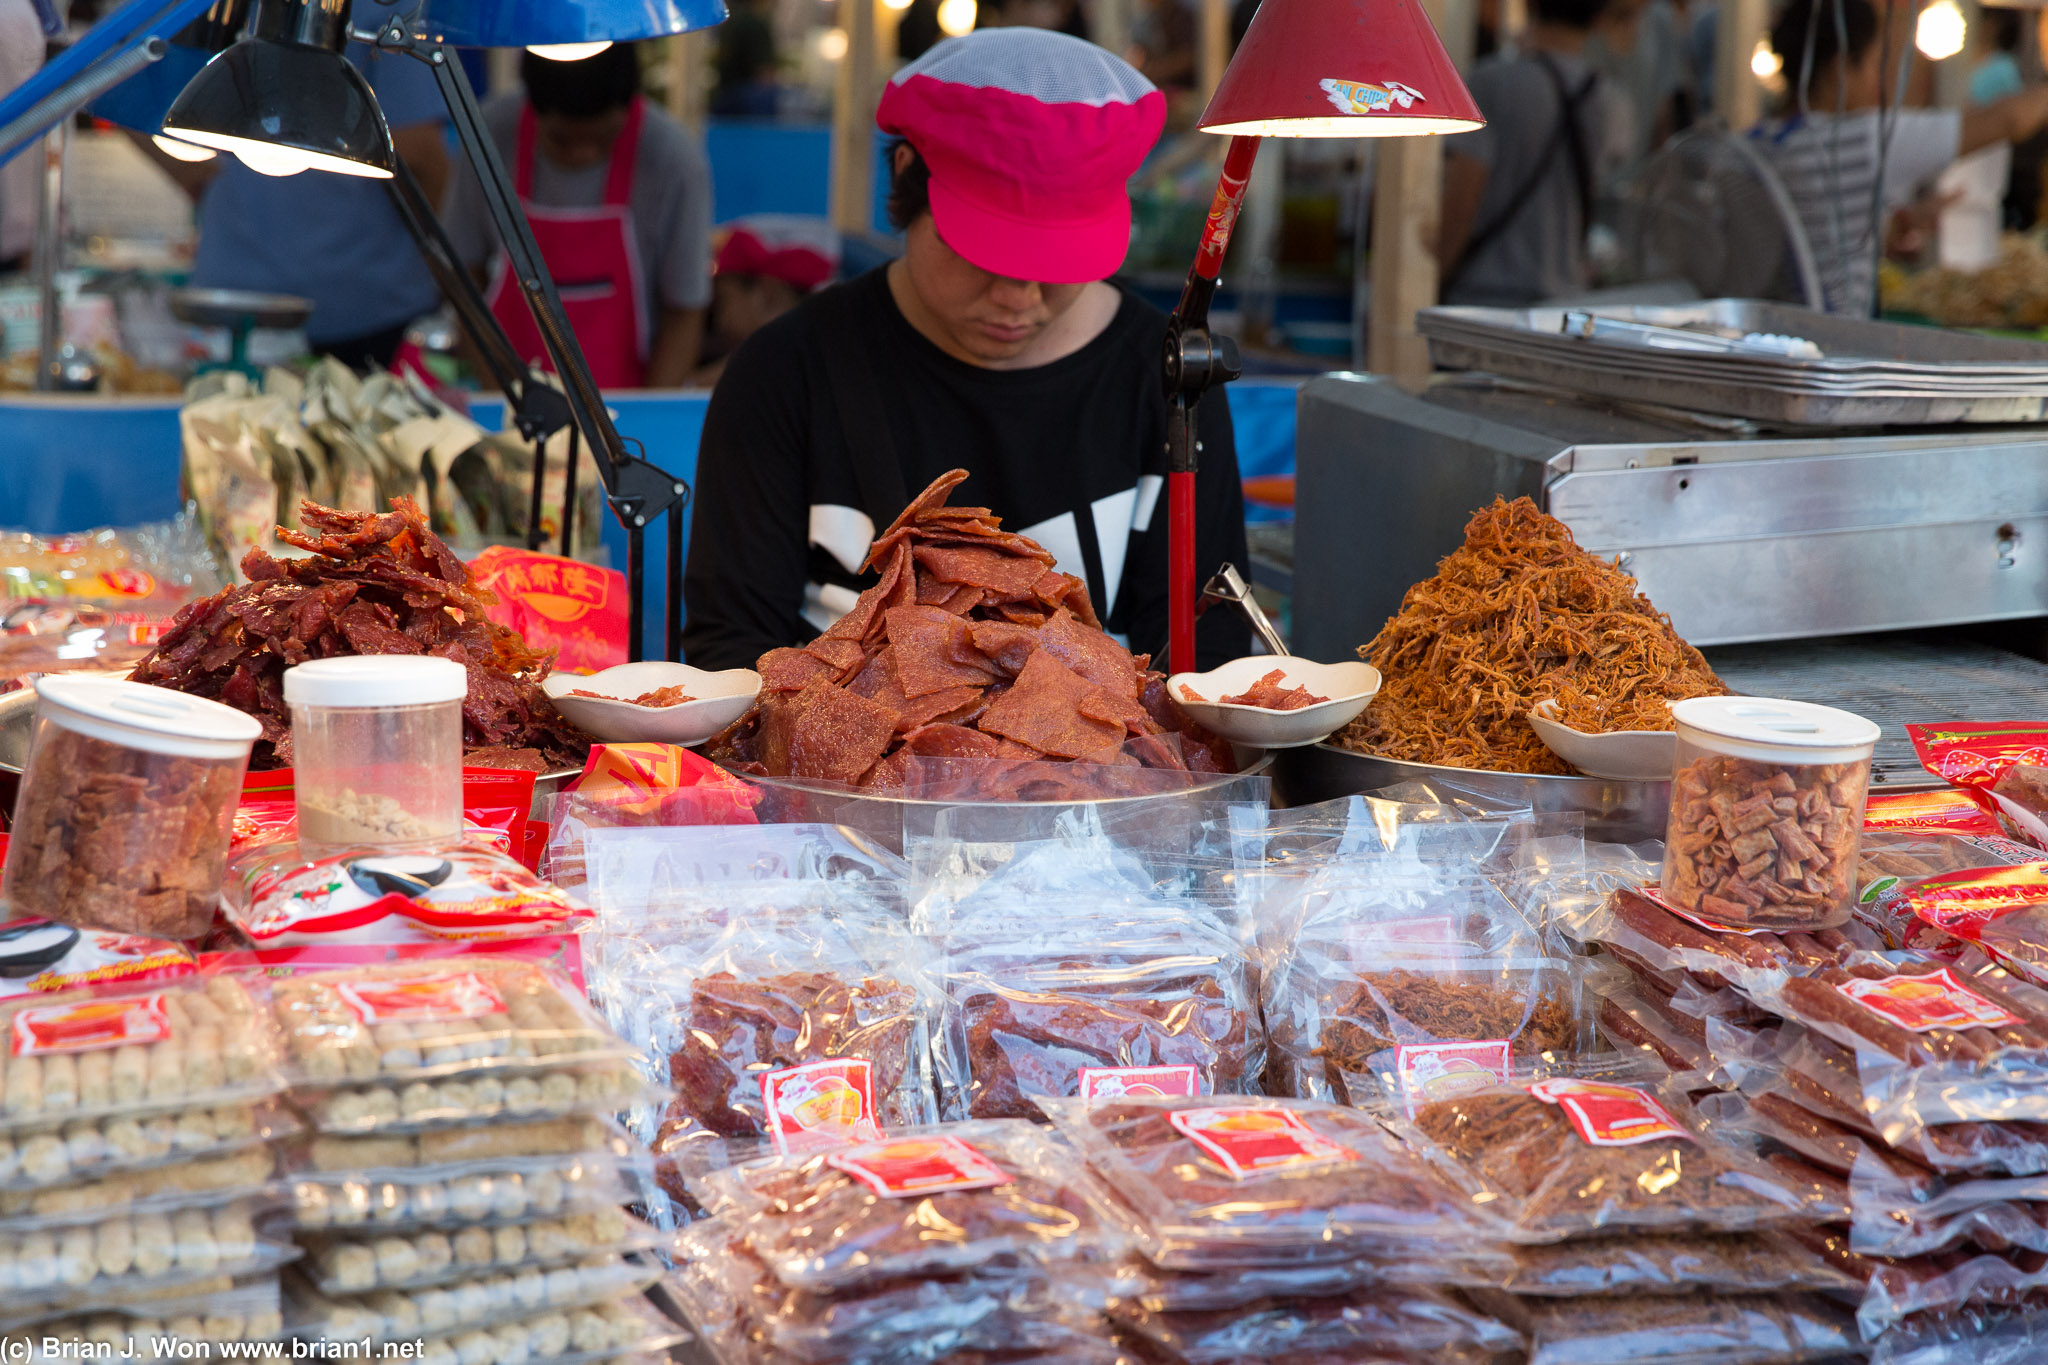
<point>1871,373</point>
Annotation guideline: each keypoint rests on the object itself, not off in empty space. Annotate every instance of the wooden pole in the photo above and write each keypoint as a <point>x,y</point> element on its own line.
<point>1110,25</point>
<point>689,88</point>
<point>1406,196</point>
<point>1741,24</point>
<point>854,95</point>
<point>1212,46</point>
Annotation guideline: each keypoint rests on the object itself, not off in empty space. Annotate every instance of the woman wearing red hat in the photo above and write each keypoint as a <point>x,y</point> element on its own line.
<point>995,343</point>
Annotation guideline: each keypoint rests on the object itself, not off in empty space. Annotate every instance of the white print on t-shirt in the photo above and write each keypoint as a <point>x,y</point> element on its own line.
<point>846,533</point>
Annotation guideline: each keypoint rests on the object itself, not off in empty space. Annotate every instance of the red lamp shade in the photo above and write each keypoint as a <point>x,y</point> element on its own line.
<point>1340,68</point>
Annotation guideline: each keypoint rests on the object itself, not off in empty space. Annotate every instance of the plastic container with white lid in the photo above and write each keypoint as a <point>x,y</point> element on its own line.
<point>126,806</point>
<point>377,751</point>
<point>1766,812</point>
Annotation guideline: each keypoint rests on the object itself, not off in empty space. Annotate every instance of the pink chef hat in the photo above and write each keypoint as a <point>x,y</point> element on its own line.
<point>1031,138</point>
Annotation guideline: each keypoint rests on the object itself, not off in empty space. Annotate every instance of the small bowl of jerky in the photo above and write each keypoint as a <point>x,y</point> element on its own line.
<point>1276,701</point>
<point>653,702</point>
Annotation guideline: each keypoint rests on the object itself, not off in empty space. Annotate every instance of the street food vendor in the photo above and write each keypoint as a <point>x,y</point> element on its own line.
<point>996,343</point>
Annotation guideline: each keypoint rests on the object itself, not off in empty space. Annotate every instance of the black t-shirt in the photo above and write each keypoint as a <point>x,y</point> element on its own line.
<point>1072,454</point>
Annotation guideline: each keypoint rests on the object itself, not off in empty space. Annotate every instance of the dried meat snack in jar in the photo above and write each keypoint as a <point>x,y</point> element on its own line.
<point>1766,811</point>
<point>934,1200</point>
<point>126,806</point>
<point>1227,1181</point>
<point>1696,1329</point>
<point>1572,1154</point>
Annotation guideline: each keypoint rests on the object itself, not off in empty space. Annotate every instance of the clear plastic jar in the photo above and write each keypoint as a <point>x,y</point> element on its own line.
<point>126,806</point>
<point>1766,811</point>
<point>377,751</point>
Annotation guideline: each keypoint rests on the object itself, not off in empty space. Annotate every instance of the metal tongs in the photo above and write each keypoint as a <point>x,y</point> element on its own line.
<point>1593,327</point>
<point>1229,586</point>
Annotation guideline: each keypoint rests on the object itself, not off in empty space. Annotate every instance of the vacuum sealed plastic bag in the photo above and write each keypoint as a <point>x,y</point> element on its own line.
<point>131,1145</point>
<point>1652,937</point>
<point>1670,1263</point>
<point>1573,1154</point>
<point>1733,1329</point>
<point>1933,1042</point>
<point>1002,1188</point>
<point>85,1261</point>
<point>1387,1317</point>
<point>1410,971</point>
<point>191,1323</point>
<point>99,1053</point>
<point>482,1194</point>
<point>1229,1181</point>
<point>2002,765</point>
<point>357,1264</point>
<point>1060,979</point>
<point>630,869</point>
<point>409,1314</point>
<point>800,1019</point>
<point>453,1147</point>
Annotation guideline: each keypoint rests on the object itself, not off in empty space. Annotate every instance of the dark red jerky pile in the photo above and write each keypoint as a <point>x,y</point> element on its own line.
<point>375,583</point>
<point>971,645</point>
<point>1796,950</point>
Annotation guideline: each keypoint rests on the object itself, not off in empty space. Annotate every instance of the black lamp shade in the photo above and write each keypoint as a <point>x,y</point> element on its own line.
<point>266,93</point>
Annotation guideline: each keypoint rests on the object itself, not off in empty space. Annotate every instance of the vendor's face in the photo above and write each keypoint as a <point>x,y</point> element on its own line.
<point>981,318</point>
<point>576,144</point>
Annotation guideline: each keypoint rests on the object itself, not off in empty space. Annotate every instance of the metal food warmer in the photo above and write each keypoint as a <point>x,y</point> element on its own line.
<point>1808,564</point>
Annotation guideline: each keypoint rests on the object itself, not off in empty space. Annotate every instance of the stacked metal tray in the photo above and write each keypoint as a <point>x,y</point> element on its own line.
<point>1869,374</point>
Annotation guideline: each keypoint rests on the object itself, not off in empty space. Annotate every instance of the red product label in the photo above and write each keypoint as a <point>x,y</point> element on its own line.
<point>1927,1002</point>
<point>905,1168</point>
<point>820,1104</point>
<point>1115,1082</point>
<point>1977,755</point>
<point>1248,1141</point>
<point>1943,811</point>
<point>438,995</point>
<point>91,1025</point>
<point>1440,1071</point>
<point>1964,902</point>
<point>126,583</point>
<point>1655,896</point>
<point>1610,1115</point>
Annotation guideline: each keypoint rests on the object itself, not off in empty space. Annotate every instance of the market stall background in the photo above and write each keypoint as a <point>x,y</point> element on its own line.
<point>70,463</point>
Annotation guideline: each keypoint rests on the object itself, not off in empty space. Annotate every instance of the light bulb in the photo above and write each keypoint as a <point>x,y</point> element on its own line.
<point>265,159</point>
<point>832,44</point>
<point>1765,63</point>
<point>956,17</point>
<point>181,150</point>
<point>570,52</point>
<point>1941,30</point>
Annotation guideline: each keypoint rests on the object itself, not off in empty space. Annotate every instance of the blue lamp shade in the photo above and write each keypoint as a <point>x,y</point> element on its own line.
<point>547,23</point>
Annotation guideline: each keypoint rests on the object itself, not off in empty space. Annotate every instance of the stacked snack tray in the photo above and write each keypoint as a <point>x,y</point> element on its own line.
<point>464,1173</point>
<point>829,1256</point>
<point>134,1129</point>
<point>1908,1087</point>
<point>1284,1227</point>
<point>185,1323</point>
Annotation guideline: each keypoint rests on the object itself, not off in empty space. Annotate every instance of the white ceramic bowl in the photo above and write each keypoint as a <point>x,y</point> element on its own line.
<point>1630,755</point>
<point>1350,687</point>
<point>722,698</point>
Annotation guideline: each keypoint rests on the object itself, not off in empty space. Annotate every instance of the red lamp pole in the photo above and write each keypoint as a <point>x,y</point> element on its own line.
<point>1196,361</point>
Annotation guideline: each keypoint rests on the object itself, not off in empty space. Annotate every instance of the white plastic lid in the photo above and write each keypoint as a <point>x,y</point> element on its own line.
<point>376,680</point>
<point>1770,729</point>
<point>136,715</point>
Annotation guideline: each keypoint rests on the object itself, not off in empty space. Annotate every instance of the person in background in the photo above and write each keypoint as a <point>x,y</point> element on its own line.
<point>334,239</point>
<point>997,342</point>
<point>21,180</point>
<point>767,264</point>
<point>1518,193</point>
<point>619,195</point>
<point>1638,47</point>
<point>746,63</point>
<point>1998,34</point>
<point>1829,162</point>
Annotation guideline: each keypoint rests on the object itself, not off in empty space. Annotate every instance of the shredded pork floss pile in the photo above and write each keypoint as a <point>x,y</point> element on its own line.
<point>371,583</point>
<point>1520,614</point>
<point>972,646</point>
